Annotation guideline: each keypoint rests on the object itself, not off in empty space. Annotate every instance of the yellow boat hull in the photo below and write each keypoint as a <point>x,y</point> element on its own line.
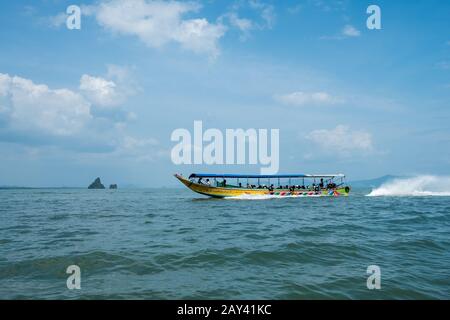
<point>223,192</point>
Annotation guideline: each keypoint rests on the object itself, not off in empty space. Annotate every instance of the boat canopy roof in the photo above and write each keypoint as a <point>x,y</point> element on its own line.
<point>258,176</point>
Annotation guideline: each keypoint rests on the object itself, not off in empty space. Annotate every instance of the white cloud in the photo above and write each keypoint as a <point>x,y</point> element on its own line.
<point>300,98</point>
<point>234,19</point>
<point>350,31</point>
<point>99,90</point>
<point>5,84</point>
<point>342,140</point>
<point>200,36</point>
<point>124,80</point>
<point>267,12</point>
<point>110,91</point>
<point>329,5</point>
<point>57,20</point>
<point>35,107</point>
<point>158,23</point>
<point>242,24</point>
<point>33,113</point>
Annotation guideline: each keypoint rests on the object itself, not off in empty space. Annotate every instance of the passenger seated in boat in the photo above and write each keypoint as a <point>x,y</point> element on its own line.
<point>207,182</point>
<point>240,185</point>
<point>321,184</point>
<point>331,185</point>
<point>200,181</point>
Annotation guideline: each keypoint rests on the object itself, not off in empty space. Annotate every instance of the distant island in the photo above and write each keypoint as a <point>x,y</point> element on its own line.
<point>97,184</point>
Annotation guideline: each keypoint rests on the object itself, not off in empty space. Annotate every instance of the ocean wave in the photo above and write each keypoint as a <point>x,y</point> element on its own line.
<point>425,185</point>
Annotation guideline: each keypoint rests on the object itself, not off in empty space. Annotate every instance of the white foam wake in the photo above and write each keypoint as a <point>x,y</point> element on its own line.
<point>425,185</point>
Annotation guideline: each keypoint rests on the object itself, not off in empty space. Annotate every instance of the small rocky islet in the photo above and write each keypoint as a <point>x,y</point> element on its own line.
<point>97,184</point>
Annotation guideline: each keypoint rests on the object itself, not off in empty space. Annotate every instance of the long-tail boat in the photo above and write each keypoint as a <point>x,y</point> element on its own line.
<point>302,185</point>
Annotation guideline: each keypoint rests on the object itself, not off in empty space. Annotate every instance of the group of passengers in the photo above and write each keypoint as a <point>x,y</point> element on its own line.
<point>286,187</point>
<point>315,187</point>
<point>206,182</point>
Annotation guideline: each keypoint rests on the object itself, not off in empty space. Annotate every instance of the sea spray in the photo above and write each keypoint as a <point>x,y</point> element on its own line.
<point>424,185</point>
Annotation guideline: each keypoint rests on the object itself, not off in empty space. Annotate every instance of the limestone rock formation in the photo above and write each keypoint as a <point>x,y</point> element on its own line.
<point>97,184</point>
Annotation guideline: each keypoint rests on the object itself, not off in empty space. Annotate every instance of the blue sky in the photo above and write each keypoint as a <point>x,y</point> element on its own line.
<point>104,100</point>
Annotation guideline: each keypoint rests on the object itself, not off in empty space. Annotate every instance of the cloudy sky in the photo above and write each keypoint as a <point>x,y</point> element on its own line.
<point>104,100</point>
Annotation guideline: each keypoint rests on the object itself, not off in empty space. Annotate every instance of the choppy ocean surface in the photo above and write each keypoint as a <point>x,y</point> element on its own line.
<point>172,244</point>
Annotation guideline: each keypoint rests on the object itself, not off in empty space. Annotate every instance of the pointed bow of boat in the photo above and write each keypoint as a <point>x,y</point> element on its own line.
<point>183,180</point>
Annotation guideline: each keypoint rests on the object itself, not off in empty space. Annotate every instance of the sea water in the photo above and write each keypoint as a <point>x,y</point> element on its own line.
<point>173,244</point>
